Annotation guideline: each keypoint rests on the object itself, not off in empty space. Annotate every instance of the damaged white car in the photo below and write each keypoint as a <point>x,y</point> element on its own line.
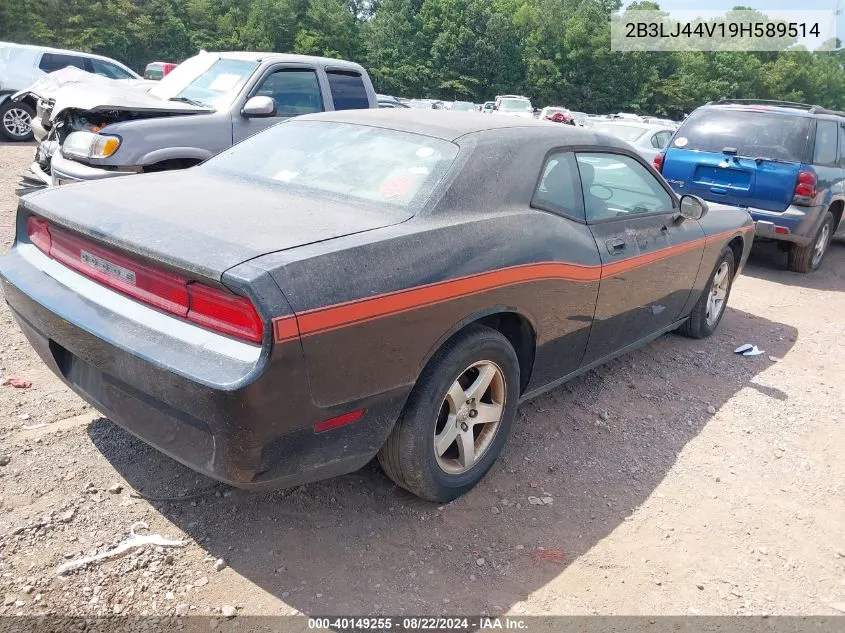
<point>105,129</point>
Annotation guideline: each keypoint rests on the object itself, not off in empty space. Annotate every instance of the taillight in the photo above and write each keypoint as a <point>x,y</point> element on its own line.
<point>806,186</point>
<point>39,233</point>
<point>224,312</point>
<point>209,307</point>
<point>658,162</point>
<point>159,288</point>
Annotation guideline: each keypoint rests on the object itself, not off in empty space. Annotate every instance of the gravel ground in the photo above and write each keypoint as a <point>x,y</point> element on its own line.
<point>684,480</point>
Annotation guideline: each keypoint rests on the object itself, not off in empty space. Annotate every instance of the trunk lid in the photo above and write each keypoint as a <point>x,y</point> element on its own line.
<point>199,223</point>
<point>742,156</point>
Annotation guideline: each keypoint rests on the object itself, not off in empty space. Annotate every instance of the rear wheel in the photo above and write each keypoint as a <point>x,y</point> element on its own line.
<point>710,308</point>
<point>16,121</point>
<point>457,417</point>
<point>806,259</point>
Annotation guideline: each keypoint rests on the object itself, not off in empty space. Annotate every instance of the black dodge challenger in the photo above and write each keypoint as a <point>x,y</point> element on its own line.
<point>362,283</point>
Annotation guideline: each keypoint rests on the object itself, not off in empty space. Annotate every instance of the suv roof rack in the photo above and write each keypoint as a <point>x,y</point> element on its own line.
<point>811,109</point>
<point>771,102</point>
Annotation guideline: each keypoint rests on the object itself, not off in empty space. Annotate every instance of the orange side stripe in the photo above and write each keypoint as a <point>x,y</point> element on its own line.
<point>325,319</point>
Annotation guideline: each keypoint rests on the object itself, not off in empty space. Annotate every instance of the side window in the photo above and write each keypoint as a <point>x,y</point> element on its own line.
<point>348,91</point>
<point>558,189</point>
<point>825,150</point>
<point>842,145</point>
<point>617,186</point>
<point>51,62</point>
<point>294,91</point>
<point>107,69</point>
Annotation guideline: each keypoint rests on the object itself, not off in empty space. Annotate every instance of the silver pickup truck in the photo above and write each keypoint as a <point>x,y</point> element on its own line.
<point>92,129</point>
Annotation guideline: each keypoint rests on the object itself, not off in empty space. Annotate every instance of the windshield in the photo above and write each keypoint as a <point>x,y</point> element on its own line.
<point>752,133</point>
<point>341,159</point>
<point>516,105</point>
<point>627,133</point>
<point>205,79</point>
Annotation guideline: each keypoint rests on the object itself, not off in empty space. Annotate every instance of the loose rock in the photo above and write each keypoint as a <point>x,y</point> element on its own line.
<point>479,562</point>
<point>228,611</point>
<point>220,564</point>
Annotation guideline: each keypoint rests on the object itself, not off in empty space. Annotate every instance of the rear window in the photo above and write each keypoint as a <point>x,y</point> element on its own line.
<point>342,160</point>
<point>348,91</point>
<point>51,62</point>
<point>752,133</point>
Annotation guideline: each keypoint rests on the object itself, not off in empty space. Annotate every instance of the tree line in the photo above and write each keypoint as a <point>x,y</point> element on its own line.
<point>557,52</point>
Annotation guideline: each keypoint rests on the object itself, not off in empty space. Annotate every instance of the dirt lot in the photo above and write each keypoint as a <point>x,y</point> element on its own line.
<point>660,507</point>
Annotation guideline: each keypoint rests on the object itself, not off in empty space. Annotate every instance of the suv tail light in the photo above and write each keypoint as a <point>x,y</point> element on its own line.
<point>206,306</point>
<point>658,162</point>
<point>805,188</point>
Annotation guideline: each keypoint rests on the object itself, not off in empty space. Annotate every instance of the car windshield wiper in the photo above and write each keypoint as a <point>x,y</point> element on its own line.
<point>760,159</point>
<point>188,100</point>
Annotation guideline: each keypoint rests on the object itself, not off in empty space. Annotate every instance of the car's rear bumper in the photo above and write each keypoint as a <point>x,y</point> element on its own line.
<point>800,223</point>
<point>237,412</point>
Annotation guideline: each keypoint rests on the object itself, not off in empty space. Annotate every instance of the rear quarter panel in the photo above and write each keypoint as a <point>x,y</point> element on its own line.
<point>723,225</point>
<point>362,338</point>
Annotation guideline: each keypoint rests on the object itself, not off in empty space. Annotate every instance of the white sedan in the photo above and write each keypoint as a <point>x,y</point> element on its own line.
<point>646,138</point>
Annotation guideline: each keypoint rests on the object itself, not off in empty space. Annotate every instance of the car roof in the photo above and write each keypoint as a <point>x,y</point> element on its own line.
<point>761,108</point>
<point>50,49</point>
<point>258,56</point>
<point>453,126</point>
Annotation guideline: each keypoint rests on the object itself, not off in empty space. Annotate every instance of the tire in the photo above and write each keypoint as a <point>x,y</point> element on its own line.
<point>13,115</point>
<point>700,323</point>
<point>806,259</point>
<point>409,456</point>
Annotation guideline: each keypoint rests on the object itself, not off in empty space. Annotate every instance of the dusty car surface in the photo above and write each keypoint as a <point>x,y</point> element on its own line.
<point>364,282</point>
<point>203,106</point>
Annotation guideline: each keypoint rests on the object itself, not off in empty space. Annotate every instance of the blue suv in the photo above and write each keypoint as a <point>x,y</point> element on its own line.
<point>783,162</point>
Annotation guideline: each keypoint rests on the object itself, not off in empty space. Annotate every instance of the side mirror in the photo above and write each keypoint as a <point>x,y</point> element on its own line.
<point>693,207</point>
<point>495,107</point>
<point>259,107</point>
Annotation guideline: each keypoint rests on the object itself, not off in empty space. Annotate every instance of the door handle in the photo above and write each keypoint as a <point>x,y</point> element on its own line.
<point>615,246</point>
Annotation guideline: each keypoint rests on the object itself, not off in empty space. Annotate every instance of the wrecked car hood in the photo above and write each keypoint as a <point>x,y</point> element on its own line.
<point>72,88</point>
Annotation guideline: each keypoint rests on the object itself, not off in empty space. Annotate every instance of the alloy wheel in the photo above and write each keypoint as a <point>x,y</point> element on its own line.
<point>17,122</point>
<point>469,417</point>
<point>718,294</point>
<point>821,245</point>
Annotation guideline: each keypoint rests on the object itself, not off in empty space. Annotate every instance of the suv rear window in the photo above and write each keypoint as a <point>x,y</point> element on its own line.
<point>51,62</point>
<point>348,91</point>
<point>752,133</point>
